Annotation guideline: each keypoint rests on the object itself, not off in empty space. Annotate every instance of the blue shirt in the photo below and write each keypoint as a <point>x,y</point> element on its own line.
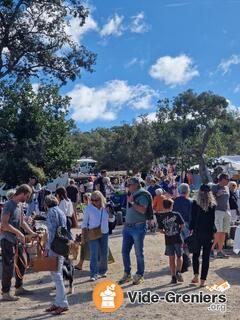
<point>55,219</point>
<point>152,189</point>
<point>184,207</point>
<point>92,218</point>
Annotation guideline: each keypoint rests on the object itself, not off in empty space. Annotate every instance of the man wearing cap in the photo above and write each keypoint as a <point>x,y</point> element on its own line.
<point>138,202</point>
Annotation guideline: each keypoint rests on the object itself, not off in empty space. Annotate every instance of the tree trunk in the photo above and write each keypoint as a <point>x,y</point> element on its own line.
<point>203,170</point>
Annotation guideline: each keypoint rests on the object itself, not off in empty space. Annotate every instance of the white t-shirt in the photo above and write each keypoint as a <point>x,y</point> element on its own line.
<point>66,207</point>
<point>89,186</point>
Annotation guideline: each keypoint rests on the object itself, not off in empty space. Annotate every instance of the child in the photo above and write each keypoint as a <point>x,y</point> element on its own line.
<point>171,223</point>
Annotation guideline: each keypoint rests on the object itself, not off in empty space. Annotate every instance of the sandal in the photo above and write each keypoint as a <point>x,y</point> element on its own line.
<point>194,280</point>
<point>52,308</point>
<point>60,310</point>
<point>203,284</point>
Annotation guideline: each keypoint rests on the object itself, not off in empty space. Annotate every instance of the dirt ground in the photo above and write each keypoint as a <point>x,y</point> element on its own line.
<point>156,280</point>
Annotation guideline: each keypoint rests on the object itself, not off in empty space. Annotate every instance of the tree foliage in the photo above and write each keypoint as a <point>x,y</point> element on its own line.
<point>195,119</point>
<point>34,40</point>
<point>190,129</point>
<point>34,133</point>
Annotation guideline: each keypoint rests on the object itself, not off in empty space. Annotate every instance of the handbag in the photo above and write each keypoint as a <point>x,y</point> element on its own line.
<point>44,264</point>
<point>41,263</point>
<point>60,243</point>
<point>191,242</point>
<point>95,233</point>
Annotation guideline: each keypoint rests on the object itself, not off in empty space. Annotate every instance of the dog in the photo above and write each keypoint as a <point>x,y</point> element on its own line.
<point>68,274</point>
<point>74,249</point>
<point>68,268</point>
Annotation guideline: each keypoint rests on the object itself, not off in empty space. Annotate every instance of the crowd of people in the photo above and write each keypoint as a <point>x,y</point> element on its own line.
<point>191,224</point>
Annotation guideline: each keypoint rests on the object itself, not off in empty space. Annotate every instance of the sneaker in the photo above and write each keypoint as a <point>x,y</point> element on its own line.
<point>174,279</point>
<point>94,278</point>
<point>22,292</point>
<point>222,255</point>
<point>179,277</point>
<point>137,279</point>
<point>126,278</point>
<point>8,297</point>
<point>102,275</point>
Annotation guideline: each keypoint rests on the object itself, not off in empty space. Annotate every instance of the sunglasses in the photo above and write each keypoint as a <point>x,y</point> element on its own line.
<point>95,200</point>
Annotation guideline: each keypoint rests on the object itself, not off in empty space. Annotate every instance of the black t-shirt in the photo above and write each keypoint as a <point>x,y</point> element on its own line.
<point>202,222</point>
<point>233,201</point>
<point>72,193</point>
<point>170,222</point>
<point>99,181</point>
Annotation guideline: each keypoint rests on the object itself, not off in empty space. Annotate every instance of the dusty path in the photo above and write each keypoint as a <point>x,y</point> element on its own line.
<point>156,280</point>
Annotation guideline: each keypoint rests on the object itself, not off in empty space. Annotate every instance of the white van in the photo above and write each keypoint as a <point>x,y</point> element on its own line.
<point>85,166</point>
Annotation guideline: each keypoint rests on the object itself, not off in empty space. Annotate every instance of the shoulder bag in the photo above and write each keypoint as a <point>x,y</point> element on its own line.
<point>60,243</point>
<point>95,233</point>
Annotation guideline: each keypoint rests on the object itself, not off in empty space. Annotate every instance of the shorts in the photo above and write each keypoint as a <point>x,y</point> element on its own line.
<point>222,221</point>
<point>234,216</point>
<point>174,249</point>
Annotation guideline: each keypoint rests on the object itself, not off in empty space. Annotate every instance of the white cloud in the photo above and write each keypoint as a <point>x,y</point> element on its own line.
<point>237,89</point>
<point>151,117</point>
<point>174,70</point>
<point>103,103</point>
<point>232,107</point>
<point>138,25</point>
<point>35,87</point>
<point>225,65</point>
<point>178,4</point>
<point>113,27</point>
<point>77,32</point>
<point>135,61</point>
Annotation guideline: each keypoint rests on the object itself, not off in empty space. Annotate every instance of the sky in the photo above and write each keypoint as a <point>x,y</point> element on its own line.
<point>151,49</point>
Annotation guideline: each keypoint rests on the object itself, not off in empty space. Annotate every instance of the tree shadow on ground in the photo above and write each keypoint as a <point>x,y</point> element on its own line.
<point>230,274</point>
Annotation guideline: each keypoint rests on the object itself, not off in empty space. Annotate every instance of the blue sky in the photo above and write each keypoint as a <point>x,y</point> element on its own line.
<point>151,49</point>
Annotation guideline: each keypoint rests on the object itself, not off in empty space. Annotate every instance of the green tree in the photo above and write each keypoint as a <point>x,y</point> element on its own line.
<point>34,133</point>
<point>34,41</point>
<point>194,119</point>
<point>124,147</point>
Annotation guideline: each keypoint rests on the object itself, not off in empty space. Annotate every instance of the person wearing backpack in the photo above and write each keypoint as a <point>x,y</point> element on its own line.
<point>139,210</point>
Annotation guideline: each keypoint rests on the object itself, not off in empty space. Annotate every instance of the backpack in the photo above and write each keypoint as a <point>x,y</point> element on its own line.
<point>149,211</point>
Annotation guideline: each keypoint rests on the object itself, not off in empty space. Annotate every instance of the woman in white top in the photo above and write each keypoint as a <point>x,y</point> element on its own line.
<point>96,215</point>
<point>66,206</point>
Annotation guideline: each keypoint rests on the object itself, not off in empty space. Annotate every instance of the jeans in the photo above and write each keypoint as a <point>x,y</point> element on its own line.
<point>57,277</point>
<point>98,251</point>
<point>185,231</point>
<point>8,252</point>
<point>205,243</point>
<point>133,236</point>
<point>69,226</point>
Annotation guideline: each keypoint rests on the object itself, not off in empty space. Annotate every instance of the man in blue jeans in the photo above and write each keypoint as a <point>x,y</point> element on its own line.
<point>135,229</point>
